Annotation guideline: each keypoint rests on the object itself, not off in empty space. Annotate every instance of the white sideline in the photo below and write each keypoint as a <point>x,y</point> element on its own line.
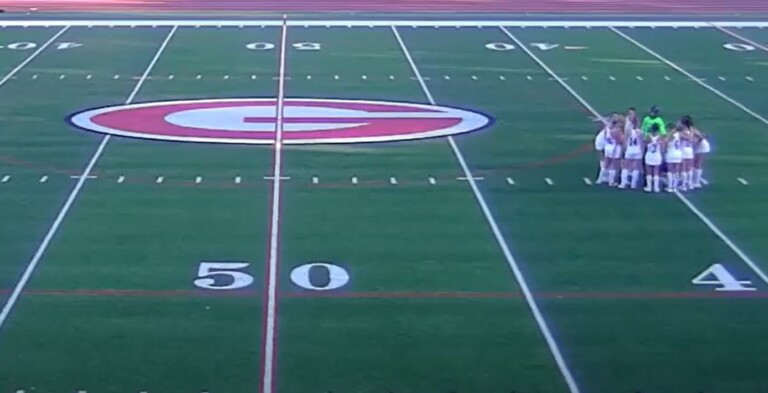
<point>370,23</point>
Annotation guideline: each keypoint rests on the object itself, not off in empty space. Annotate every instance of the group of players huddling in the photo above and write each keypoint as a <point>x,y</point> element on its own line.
<point>624,145</point>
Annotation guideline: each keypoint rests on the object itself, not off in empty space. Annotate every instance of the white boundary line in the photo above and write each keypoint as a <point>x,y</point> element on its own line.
<point>71,199</point>
<point>32,56</point>
<point>373,23</point>
<point>519,277</point>
<point>748,261</point>
<point>274,235</point>
<point>691,76</point>
<point>740,37</point>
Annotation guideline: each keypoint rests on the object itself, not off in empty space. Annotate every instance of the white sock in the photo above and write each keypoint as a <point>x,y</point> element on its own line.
<point>648,181</point>
<point>611,176</point>
<point>624,177</point>
<point>683,179</point>
<point>601,174</point>
<point>656,182</point>
<point>691,180</point>
<point>670,180</point>
<point>698,173</point>
<point>635,177</point>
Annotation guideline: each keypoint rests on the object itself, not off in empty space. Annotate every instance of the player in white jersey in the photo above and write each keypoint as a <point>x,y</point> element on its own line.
<point>686,170</point>
<point>700,149</point>
<point>602,175</point>
<point>633,157</point>
<point>674,159</point>
<point>614,140</point>
<point>653,161</point>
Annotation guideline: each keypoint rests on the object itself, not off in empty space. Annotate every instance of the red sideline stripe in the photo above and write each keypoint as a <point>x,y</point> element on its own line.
<point>677,6</point>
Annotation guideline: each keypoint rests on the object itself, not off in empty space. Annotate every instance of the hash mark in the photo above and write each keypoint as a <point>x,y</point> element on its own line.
<point>19,390</point>
<point>749,78</point>
<point>253,77</point>
<point>472,178</point>
<point>226,77</point>
<point>6,178</point>
<point>529,77</point>
<point>309,76</point>
<point>721,78</point>
<point>121,179</point>
<point>548,181</point>
<point>667,78</point>
<point>62,76</point>
<point>87,177</point>
<point>89,76</point>
<point>612,78</point>
<point>44,179</point>
<point>446,77</point>
<point>315,180</point>
<point>354,179</point>
<point>199,76</point>
<point>392,180</point>
<point>584,77</point>
<point>238,179</point>
<point>392,77</point>
<point>474,78</point>
<point>159,179</point>
<point>365,77</point>
<point>34,76</point>
<point>170,76</point>
<point>502,77</point>
<point>336,77</point>
<point>116,77</point>
<point>198,180</point>
<point>639,77</point>
<point>432,180</point>
<point>742,181</point>
<point>510,181</point>
<point>587,181</point>
<point>279,178</point>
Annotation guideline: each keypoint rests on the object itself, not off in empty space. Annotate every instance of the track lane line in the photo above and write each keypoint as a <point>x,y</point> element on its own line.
<point>688,204</point>
<point>554,348</point>
<point>269,335</point>
<point>32,265</point>
<point>33,55</point>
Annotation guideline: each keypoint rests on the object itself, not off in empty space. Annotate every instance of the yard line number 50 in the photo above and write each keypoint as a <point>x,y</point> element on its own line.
<point>314,276</point>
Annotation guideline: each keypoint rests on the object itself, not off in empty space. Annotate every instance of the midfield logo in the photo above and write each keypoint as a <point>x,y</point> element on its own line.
<point>305,121</point>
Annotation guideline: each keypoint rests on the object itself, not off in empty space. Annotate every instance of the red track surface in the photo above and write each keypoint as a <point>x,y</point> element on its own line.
<point>516,6</point>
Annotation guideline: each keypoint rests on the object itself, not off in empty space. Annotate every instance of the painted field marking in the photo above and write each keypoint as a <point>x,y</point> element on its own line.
<point>548,181</point>
<point>34,76</point>
<point>87,177</point>
<point>121,179</point>
<point>510,181</point>
<point>639,77</point>
<point>587,181</point>
<point>376,23</point>
<point>432,181</point>
<point>611,77</point>
<point>238,179</point>
<point>470,178</point>
<point>741,37</point>
<point>689,75</point>
<point>269,335</point>
<point>748,261</point>
<point>116,77</point>
<point>584,77</point>
<point>742,181</point>
<point>89,76</point>
<point>6,178</point>
<point>516,271</point>
<point>32,265</point>
<point>666,78</point>
<point>721,78</point>
<point>315,180</point>
<point>749,78</point>
<point>354,179</point>
<point>501,77</point>
<point>393,180</point>
<point>198,180</point>
<point>31,57</point>
<point>159,179</point>
<point>43,179</point>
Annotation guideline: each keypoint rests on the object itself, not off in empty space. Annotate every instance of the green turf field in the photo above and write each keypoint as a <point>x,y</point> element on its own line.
<point>485,262</point>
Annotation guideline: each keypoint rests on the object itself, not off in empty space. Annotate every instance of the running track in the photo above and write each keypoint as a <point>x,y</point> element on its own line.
<point>512,6</point>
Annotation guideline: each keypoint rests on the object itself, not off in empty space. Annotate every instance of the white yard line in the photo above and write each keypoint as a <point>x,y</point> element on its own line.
<point>32,265</point>
<point>519,277</point>
<point>375,23</point>
<point>270,314</point>
<point>691,76</point>
<point>740,37</point>
<point>33,56</point>
<point>748,261</point>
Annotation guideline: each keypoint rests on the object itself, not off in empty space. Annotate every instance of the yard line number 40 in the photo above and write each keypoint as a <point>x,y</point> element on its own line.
<point>314,276</point>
